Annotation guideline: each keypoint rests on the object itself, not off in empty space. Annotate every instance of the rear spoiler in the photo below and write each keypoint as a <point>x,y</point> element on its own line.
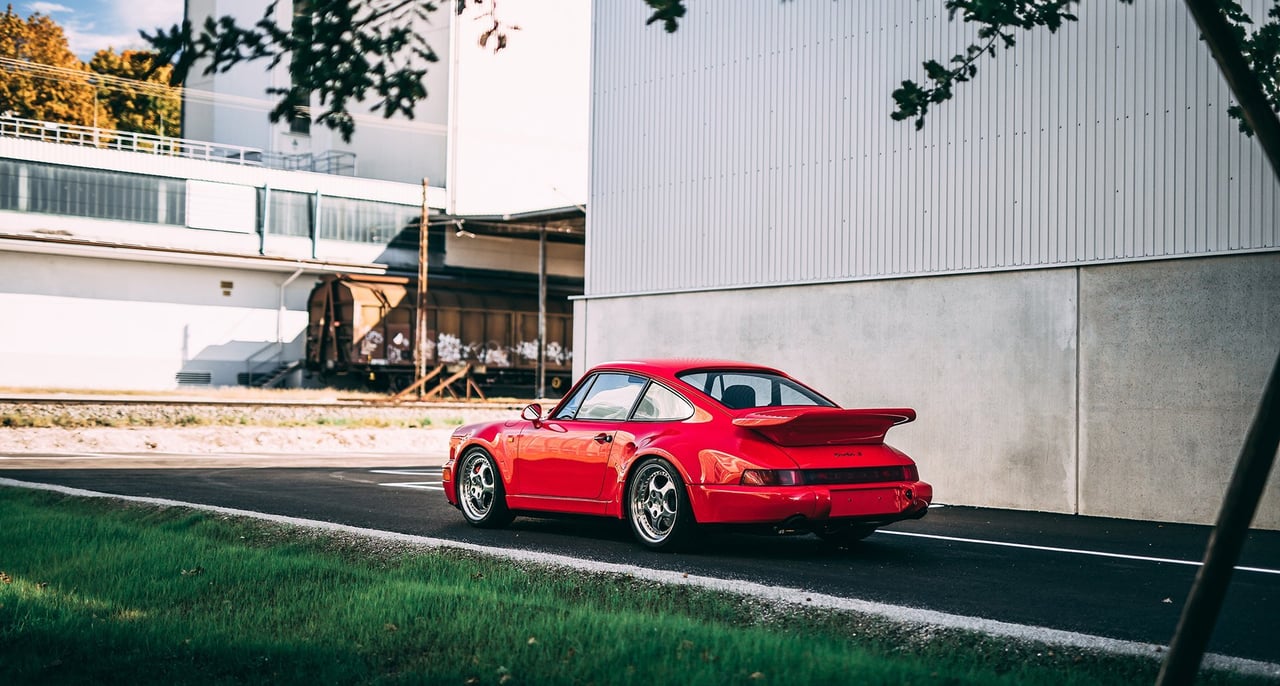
<point>801,426</point>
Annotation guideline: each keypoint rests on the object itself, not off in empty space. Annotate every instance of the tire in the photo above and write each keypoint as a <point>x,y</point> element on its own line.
<point>658,506</point>
<point>481,497</point>
<point>845,535</point>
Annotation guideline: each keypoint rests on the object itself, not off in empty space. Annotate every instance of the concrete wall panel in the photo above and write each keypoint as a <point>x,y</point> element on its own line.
<point>1173,359</point>
<point>1147,424</point>
<point>987,360</point>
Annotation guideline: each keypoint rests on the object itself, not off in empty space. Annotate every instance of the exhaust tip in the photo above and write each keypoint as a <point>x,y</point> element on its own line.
<point>795,524</point>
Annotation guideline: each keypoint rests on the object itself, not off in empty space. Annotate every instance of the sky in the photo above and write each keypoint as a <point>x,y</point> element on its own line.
<point>92,25</point>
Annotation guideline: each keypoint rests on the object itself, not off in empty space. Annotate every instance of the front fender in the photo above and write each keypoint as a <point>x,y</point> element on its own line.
<point>494,439</point>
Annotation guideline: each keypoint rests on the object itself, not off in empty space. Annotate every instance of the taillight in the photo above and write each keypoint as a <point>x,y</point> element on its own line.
<point>771,477</point>
<point>828,477</point>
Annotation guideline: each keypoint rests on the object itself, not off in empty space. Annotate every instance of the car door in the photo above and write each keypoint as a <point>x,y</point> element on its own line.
<point>567,455</point>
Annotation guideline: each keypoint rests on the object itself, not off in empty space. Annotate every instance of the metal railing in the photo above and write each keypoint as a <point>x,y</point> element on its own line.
<point>127,141</point>
<point>252,369</point>
<point>328,162</point>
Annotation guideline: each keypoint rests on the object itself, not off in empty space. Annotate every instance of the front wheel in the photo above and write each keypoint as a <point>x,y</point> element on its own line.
<point>480,494</point>
<point>658,506</point>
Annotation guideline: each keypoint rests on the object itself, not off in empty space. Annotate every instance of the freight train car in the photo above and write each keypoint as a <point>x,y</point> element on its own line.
<point>360,328</point>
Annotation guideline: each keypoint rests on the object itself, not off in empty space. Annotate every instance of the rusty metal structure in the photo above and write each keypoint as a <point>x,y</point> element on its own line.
<point>479,341</point>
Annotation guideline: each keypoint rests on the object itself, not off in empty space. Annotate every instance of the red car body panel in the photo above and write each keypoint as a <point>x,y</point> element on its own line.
<point>580,466</point>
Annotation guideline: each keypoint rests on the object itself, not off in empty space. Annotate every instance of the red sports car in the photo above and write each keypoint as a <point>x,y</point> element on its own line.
<point>671,444</point>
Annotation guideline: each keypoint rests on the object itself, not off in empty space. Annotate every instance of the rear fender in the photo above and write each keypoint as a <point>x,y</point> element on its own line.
<point>626,465</point>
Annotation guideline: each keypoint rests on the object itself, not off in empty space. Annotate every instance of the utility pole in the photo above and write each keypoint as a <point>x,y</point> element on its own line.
<point>541,389</point>
<point>420,301</point>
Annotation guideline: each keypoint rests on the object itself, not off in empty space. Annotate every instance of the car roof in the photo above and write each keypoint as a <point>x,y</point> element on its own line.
<point>670,367</point>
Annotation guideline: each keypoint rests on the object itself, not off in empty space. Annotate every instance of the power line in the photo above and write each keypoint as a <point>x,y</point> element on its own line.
<point>187,94</point>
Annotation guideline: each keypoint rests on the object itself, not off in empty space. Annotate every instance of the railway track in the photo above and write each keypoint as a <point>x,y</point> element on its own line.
<point>166,400</point>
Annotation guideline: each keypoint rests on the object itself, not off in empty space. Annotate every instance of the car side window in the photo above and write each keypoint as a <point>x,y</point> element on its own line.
<point>611,396</point>
<point>662,404</point>
<point>570,408</point>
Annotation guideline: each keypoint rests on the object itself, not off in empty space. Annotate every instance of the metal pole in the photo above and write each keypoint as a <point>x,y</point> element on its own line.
<point>541,389</point>
<point>280,317</point>
<point>266,219</point>
<point>315,224</point>
<point>1204,602</point>
<point>420,300</point>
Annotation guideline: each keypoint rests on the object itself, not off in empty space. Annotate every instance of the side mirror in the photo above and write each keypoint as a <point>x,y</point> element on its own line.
<point>532,413</point>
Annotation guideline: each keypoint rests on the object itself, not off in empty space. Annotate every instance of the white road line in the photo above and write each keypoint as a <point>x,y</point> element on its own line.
<point>424,485</point>
<point>779,594</point>
<point>407,472</point>
<point>1073,551</point>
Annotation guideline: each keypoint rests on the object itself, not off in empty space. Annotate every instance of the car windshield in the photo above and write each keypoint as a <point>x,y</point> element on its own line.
<point>742,389</point>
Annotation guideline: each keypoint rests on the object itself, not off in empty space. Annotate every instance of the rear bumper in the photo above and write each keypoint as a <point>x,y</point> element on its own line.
<point>880,503</point>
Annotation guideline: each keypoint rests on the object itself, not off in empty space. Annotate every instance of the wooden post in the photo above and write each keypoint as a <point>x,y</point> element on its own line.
<point>420,300</point>
<point>540,388</point>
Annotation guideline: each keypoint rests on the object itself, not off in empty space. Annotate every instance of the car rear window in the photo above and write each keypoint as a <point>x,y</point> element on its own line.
<point>740,390</point>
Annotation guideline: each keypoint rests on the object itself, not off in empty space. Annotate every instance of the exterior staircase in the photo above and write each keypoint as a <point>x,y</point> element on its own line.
<point>269,378</point>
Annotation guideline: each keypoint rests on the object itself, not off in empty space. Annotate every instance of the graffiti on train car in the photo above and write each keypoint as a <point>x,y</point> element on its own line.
<point>361,327</point>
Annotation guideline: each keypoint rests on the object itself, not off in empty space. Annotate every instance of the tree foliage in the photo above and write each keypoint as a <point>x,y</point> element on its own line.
<point>998,22</point>
<point>342,52</point>
<point>64,94</point>
<point>352,51</point>
<point>138,98</point>
<point>1261,50</point>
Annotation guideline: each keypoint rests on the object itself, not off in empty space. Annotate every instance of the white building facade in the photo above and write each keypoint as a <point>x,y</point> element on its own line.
<point>503,132</point>
<point>1072,272</point>
<point>137,262</point>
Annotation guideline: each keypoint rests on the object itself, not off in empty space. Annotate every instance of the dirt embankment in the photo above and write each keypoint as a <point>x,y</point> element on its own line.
<point>56,429</point>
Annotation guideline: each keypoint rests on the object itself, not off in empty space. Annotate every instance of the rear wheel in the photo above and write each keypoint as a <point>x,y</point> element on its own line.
<point>658,506</point>
<point>480,494</point>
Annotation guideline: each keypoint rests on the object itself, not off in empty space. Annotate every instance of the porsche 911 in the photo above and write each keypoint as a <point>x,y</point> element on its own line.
<point>673,445</point>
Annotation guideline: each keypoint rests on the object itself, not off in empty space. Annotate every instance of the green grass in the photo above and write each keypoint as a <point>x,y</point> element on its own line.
<point>95,591</point>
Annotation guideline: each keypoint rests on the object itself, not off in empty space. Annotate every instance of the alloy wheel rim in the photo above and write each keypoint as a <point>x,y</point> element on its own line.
<point>477,487</point>
<point>654,504</point>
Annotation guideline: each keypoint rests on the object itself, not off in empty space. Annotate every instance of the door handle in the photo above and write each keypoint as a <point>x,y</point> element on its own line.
<point>603,438</point>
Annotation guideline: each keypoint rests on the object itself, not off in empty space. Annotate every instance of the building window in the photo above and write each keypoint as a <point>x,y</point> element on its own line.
<point>300,116</point>
<point>291,213</point>
<point>95,193</point>
<point>364,221</point>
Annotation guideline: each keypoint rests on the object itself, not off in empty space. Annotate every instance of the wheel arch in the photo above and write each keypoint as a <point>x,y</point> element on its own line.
<point>617,506</point>
<point>495,447</point>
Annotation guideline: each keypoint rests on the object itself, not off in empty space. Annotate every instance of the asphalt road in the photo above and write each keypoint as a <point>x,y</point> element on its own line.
<point>1105,577</point>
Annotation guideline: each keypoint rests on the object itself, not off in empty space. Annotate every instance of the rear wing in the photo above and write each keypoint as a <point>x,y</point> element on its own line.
<point>808,426</point>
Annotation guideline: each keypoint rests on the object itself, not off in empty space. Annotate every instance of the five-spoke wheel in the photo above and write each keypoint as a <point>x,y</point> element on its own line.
<point>657,505</point>
<point>480,493</point>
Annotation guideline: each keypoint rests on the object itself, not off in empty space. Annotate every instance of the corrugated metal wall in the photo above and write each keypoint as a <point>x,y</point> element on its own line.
<point>754,147</point>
